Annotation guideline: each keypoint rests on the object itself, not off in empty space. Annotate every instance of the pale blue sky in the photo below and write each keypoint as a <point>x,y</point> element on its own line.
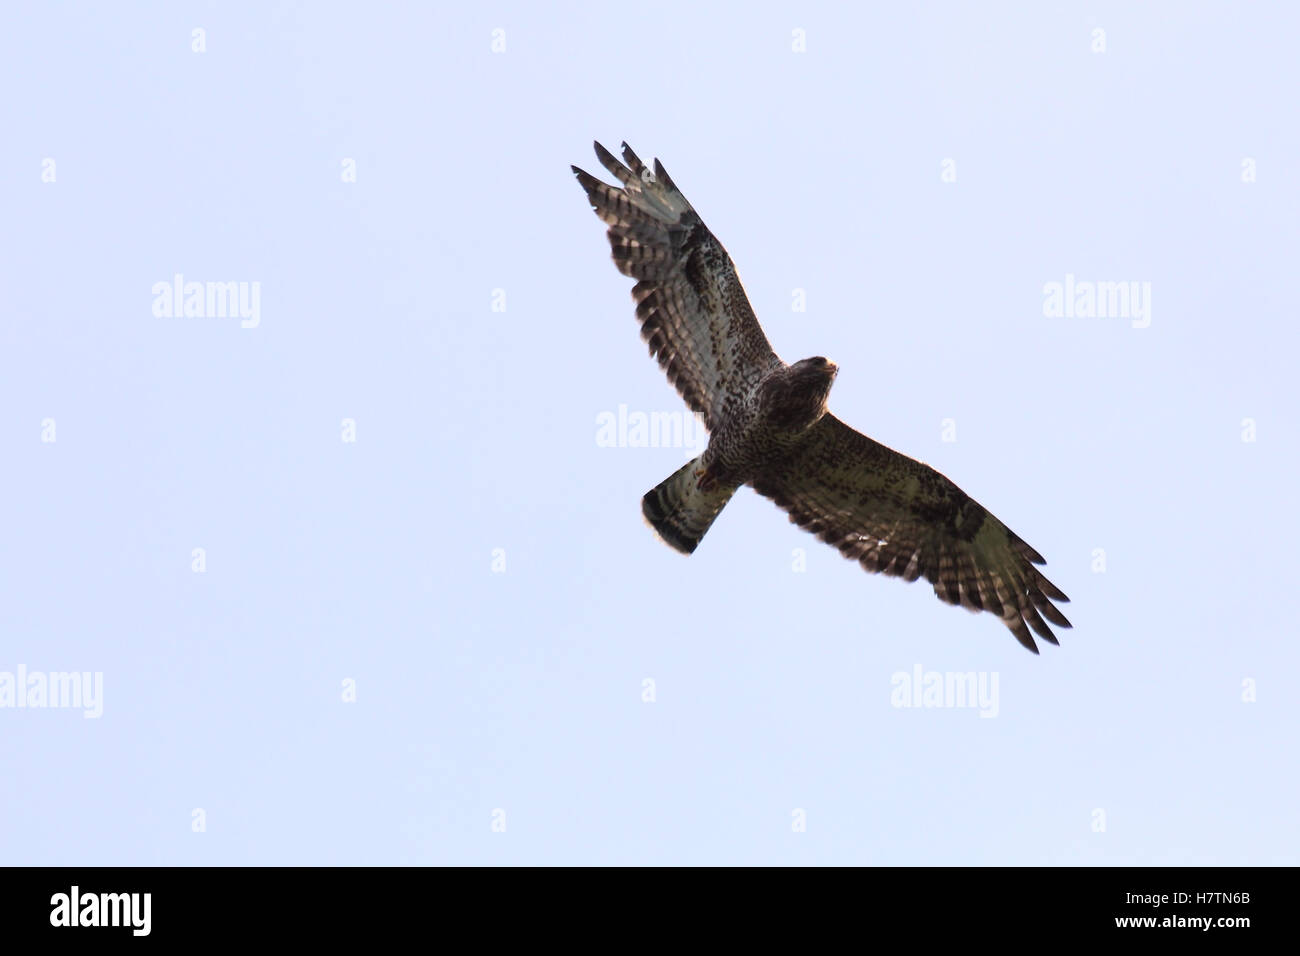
<point>476,430</point>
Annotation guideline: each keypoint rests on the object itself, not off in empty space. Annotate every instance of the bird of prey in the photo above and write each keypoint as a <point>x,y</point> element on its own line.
<point>769,428</point>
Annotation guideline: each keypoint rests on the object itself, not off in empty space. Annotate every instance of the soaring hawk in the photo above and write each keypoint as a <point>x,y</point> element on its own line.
<point>769,427</point>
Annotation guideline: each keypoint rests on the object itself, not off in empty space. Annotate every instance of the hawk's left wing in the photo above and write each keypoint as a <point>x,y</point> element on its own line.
<point>897,516</point>
<point>693,311</point>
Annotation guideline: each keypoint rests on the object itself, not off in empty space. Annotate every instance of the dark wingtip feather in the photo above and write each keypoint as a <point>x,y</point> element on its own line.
<point>590,185</point>
<point>1049,611</point>
<point>661,174</point>
<point>1040,628</point>
<point>1025,550</point>
<point>1048,588</point>
<point>632,159</point>
<point>616,169</point>
<point>1017,627</point>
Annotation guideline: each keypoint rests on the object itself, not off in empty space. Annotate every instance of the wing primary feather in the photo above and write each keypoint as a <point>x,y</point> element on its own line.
<point>1036,622</point>
<point>616,169</point>
<point>633,160</point>
<point>1017,627</point>
<point>661,174</point>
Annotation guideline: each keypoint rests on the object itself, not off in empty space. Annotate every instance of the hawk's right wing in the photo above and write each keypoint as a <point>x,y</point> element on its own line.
<point>694,314</point>
<point>897,516</point>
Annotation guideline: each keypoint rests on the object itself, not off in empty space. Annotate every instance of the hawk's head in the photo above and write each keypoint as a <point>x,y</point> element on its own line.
<point>795,397</point>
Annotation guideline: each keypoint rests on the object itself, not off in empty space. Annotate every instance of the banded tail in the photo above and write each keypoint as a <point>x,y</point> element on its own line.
<point>679,511</point>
